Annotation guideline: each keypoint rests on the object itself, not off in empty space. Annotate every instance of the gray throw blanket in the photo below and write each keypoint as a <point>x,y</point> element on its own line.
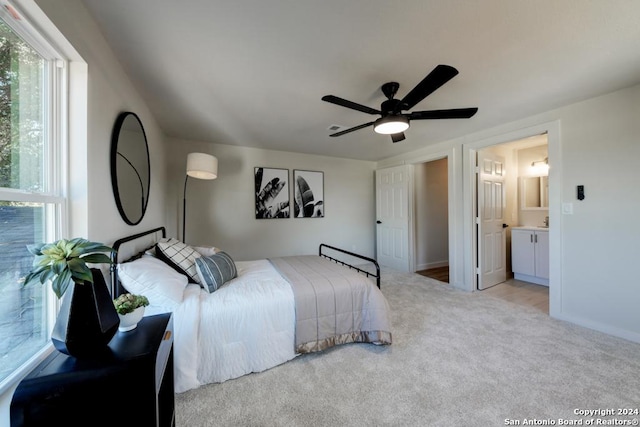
<point>334,305</point>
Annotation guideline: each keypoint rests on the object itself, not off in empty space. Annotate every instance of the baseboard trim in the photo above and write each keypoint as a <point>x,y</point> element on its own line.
<point>601,327</point>
<point>531,279</point>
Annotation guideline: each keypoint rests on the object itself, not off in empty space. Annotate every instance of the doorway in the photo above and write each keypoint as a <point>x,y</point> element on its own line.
<point>431,219</point>
<point>393,187</point>
<point>524,159</point>
<point>397,244</point>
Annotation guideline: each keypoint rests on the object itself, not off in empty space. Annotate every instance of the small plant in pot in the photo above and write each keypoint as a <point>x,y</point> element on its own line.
<point>130,308</point>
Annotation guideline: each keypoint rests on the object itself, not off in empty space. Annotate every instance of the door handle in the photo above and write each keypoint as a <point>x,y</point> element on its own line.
<point>505,225</point>
<point>378,222</point>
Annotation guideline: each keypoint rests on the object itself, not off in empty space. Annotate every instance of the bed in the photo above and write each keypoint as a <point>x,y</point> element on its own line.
<point>234,318</point>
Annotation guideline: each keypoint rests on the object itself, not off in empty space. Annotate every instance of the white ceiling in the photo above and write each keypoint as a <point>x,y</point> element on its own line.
<point>253,72</point>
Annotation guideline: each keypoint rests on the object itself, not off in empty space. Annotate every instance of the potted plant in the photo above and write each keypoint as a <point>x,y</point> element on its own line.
<point>87,319</point>
<point>65,261</point>
<point>130,308</point>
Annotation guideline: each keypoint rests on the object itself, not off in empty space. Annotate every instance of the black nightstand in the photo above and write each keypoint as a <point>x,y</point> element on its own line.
<point>132,384</point>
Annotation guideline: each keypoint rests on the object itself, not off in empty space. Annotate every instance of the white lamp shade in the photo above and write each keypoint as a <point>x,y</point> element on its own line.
<point>202,166</point>
<point>391,124</point>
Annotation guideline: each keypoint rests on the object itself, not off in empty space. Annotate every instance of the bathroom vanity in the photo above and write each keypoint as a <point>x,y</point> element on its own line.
<point>530,254</point>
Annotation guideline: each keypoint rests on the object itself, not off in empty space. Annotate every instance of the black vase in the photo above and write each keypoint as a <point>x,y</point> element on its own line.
<point>87,319</point>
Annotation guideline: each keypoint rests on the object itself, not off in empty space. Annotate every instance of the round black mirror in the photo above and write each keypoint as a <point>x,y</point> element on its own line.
<point>130,170</point>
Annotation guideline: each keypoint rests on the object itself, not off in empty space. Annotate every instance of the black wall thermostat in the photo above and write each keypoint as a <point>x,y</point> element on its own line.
<point>580,192</point>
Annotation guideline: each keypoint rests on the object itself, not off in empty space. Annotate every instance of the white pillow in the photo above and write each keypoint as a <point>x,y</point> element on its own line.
<point>154,279</point>
<point>206,250</point>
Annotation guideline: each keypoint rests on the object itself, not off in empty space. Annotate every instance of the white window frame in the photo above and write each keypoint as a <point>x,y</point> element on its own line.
<point>56,150</point>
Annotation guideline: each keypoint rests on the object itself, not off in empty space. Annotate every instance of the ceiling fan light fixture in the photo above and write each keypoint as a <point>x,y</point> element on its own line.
<point>393,121</point>
<point>391,124</point>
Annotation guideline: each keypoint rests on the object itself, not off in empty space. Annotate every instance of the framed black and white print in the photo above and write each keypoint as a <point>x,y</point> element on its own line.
<point>272,193</point>
<point>308,198</point>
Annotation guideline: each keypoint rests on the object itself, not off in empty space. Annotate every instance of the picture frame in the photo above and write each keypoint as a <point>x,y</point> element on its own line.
<point>271,193</point>
<point>308,197</point>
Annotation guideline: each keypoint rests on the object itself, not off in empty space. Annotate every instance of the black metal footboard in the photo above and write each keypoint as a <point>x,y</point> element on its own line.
<point>371,260</point>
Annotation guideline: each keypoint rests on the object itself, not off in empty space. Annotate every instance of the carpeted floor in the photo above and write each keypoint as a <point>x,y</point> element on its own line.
<point>458,359</point>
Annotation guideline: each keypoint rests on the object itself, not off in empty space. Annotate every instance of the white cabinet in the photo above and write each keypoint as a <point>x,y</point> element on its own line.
<point>530,254</point>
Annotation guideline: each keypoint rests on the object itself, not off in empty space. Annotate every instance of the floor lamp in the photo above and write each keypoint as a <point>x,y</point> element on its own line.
<point>200,166</point>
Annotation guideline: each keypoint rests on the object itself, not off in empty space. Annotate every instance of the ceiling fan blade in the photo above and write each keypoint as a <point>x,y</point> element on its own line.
<point>436,78</point>
<point>397,137</point>
<point>455,113</point>
<point>342,132</point>
<point>349,104</point>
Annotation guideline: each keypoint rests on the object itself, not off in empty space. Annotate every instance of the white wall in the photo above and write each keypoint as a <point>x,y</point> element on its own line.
<point>221,212</point>
<point>595,143</point>
<point>600,150</point>
<point>431,214</point>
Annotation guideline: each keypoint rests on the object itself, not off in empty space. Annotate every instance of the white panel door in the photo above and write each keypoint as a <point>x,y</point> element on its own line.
<point>392,212</point>
<point>492,240</point>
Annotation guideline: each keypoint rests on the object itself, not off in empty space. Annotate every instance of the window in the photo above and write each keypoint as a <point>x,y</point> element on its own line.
<point>32,202</point>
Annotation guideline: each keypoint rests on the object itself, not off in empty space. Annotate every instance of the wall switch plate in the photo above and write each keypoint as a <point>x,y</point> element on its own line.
<point>567,208</point>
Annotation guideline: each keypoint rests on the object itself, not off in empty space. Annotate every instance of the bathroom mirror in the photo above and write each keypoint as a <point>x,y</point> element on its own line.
<point>534,192</point>
<point>130,170</point>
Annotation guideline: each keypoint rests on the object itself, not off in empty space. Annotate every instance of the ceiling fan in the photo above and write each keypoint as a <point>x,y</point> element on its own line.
<point>393,120</point>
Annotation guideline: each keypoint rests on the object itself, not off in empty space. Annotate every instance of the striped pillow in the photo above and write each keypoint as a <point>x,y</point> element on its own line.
<point>215,270</point>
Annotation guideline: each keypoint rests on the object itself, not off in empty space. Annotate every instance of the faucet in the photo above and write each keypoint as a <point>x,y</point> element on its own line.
<point>546,221</point>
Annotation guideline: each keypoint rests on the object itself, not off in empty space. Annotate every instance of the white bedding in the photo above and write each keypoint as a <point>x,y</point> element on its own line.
<point>252,322</point>
<point>215,334</point>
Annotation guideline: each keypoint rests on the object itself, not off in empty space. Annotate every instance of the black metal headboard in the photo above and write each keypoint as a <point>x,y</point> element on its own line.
<point>130,248</point>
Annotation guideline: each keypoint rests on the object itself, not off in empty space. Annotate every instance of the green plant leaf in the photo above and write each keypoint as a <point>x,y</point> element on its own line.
<point>41,261</point>
<point>77,247</point>
<point>64,261</point>
<point>39,276</point>
<point>61,246</point>
<point>54,252</point>
<point>36,271</point>
<point>31,277</point>
<point>79,271</point>
<point>76,264</point>
<point>61,283</point>
<point>35,248</point>
<point>96,259</point>
<point>90,247</point>
<point>59,266</point>
<point>77,241</point>
<point>47,275</point>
